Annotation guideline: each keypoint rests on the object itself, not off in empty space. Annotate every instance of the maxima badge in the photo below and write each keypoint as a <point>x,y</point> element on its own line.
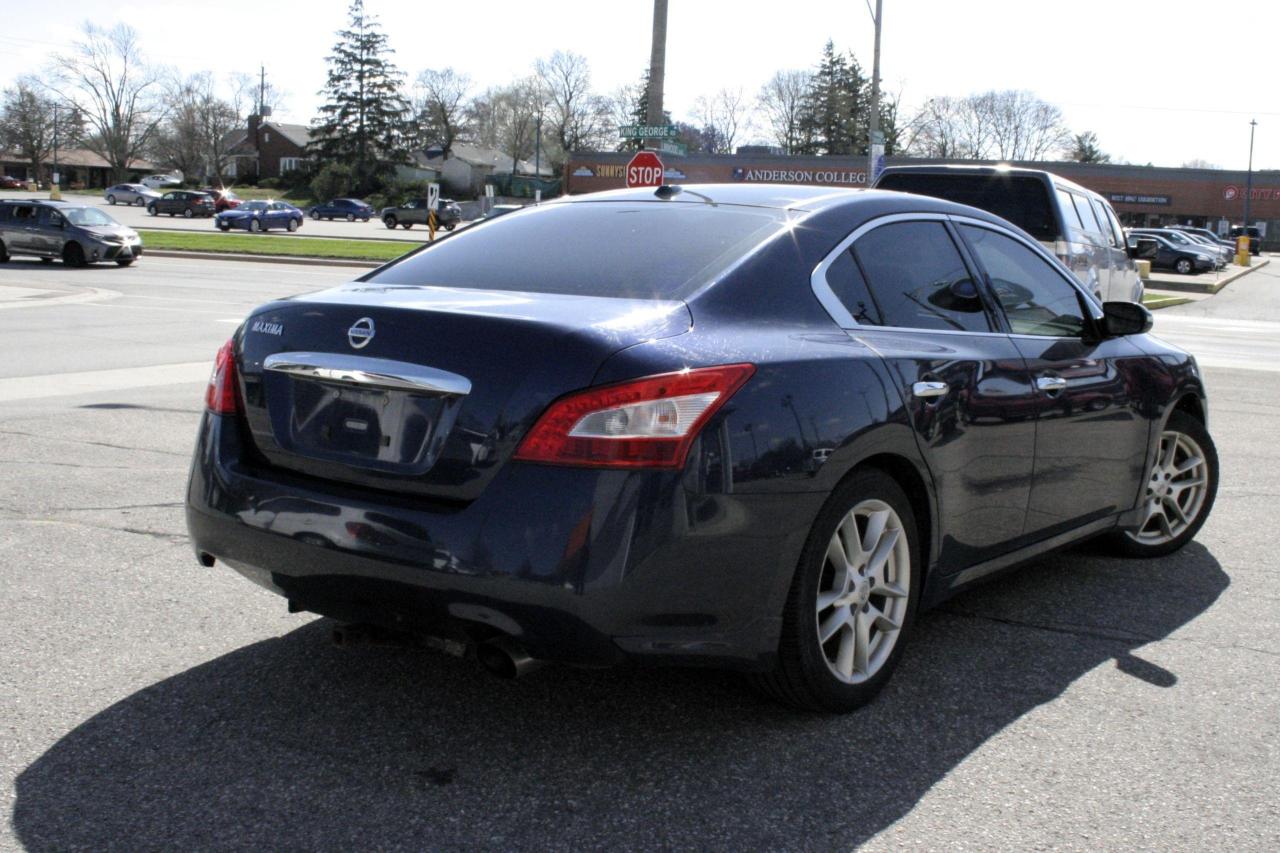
<point>360,333</point>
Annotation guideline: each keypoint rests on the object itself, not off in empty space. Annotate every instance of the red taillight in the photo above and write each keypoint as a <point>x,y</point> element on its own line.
<point>644,423</point>
<point>220,396</point>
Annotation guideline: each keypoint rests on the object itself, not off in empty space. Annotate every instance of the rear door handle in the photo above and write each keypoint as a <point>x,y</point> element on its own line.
<point>1051,384</point>
<point>930,389</point>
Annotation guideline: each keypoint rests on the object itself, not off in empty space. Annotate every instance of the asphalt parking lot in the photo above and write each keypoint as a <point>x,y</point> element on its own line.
<point>1083,703</point>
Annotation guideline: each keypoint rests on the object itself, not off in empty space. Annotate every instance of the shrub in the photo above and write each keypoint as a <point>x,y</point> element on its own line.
<point>333,181</point>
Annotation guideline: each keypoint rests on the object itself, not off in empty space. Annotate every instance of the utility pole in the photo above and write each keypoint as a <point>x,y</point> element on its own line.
<point>262,88</point>
<point>875,139</point>
<point>537,149</point>
<point>657,64</point>
<point>55,189</point>
<point>1248,181</point>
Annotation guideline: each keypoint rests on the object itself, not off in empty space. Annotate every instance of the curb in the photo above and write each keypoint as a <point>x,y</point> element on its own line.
<point>262,259</point>
<point>380,239</point>
<point>1163,283</point>
<point>1166,302</point>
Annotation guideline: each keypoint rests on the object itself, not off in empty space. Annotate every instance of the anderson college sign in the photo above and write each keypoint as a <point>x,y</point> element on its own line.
<point>800,176</point>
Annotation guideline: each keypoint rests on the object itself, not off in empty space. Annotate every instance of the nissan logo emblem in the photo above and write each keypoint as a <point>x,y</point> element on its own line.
<point>360,333</point>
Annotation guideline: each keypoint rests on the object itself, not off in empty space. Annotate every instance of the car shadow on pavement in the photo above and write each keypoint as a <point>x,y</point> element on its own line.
<point>290,743</point>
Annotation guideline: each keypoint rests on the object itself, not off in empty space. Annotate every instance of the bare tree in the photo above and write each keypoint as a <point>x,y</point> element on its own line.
<point>505,118</point>
<point>195,137</point>
<point>723,117</point>
<point>441,100</point>
<point>250,93</point>
<point>626,102</point>
<point>1200,164</point>
<point>1009,125</point>
<point>781,99</point>
<point>578,118</point>
<point>106,79</point>
<point>27,117</point>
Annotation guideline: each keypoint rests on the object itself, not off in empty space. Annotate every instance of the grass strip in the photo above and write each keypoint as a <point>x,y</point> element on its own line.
<point>270,244</point>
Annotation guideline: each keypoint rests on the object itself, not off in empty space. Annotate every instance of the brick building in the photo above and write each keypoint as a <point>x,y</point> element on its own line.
<point>1142,195</point>
<point>267,149</point>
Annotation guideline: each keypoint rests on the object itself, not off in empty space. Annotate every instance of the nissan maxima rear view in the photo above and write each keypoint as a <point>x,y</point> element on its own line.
<point>750,427</point>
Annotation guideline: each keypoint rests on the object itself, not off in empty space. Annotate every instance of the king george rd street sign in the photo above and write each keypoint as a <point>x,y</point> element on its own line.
<point>648,131</point>
<point>644,170</point>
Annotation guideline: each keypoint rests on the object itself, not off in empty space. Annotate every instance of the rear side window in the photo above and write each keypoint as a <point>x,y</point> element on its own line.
<point>918,279</point>
<point>1086,214</point>
<point>846,282</point>
<point>1035,298</point>
<point>1116,231</point>
<point>635,250</point>
<point>1069,212</point>
<point>1104,227</point>
<point>1021,199</point>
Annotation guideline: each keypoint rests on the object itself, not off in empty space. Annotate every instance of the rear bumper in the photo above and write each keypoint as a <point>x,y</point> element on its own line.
<point>582,566</point>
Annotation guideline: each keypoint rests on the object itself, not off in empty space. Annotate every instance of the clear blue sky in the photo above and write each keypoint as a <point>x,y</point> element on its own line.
<point>1164,84</point>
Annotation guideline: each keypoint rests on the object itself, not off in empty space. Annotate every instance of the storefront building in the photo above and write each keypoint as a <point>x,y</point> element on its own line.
<point>1142,195</point>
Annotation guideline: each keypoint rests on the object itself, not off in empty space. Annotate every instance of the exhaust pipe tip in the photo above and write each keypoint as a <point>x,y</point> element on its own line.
<point>505,658</point>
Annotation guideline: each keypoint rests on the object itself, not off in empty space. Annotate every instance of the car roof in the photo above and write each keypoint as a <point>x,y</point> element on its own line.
<point>1014,171</point>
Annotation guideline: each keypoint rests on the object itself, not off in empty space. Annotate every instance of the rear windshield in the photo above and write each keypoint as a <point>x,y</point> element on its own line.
<point>1022,200</point>
<point>635,250</point>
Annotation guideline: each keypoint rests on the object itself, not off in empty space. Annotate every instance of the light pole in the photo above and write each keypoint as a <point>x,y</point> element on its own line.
<point>657,65</point>
<point>875,139</point>
<point>55,192</point>
<point>1248,181</point>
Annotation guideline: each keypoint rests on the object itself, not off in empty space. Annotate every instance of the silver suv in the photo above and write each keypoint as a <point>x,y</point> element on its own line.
<point>78,234</point>
<point>1074,223</point>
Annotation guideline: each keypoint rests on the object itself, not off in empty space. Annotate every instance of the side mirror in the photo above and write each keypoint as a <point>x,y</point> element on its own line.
<point>1125,318</point>
<point>1144,249</point>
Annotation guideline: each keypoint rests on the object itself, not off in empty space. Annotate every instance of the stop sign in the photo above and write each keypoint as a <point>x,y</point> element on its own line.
<point>644,170</point>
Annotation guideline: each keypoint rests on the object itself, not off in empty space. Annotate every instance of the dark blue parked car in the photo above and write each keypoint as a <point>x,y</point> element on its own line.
<point>260,216</point>
<point>349,209</point>
<point>755,427</point>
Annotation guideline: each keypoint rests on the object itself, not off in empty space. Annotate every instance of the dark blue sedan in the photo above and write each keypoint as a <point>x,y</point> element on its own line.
<point>754,427</point>
<point>260,216</point>
<point>349,209</point>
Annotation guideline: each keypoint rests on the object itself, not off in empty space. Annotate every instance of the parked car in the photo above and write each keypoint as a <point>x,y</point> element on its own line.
<point>260,216</point>
<point>502,209</point>
<point>349,209</point>
<point>1188,242</point>
<point>157,182</point>
<point>1255,237</point>
<point>762,390</point>
<point>11,183</point>
<point>1212,237</point>
<point>414,212</point>
<point>1076,224</point>
<point>78,234</point>
<point>138,194</point>
<point>188,203</point>
<point>223,199</point>
<point>1174,256</point>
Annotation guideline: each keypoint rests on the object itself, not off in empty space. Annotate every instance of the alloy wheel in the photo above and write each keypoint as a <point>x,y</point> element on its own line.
<point>1176,490</point>
<point>863,591</point>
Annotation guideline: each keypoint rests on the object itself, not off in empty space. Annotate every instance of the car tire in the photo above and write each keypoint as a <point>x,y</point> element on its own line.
<point>1177,487</point>
<point>111,200</point>
<point>866,630</point>
<point>351,217</point>
<point>73,254</point>
<point>1184,266</point>
<point>449,226</point>
<point>406,225</point>
<point>152,211</point>
<point>315,214</point>
<point>141,202</point>
<point>125,262</point>
<point>390,222</point>
<point>187,213</point>
<point>255,225</point>
<point>293,224</point>
<point>224,226</point>
<point>4,253</point>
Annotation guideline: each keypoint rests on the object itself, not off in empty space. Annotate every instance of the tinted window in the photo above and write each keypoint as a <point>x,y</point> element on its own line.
<point>1104,226</point>
<point>846,282</point>
<point>1069,212</point>
<point>1035,298</point>
<point>1086,214</point>
<point>639,250</point>
<point>918,278</point>
<point>1022,200</point>
<point>1116,231</point>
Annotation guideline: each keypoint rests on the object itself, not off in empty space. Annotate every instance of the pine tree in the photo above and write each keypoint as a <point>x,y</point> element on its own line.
<point>833,117</point>
<point>364,123</point>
